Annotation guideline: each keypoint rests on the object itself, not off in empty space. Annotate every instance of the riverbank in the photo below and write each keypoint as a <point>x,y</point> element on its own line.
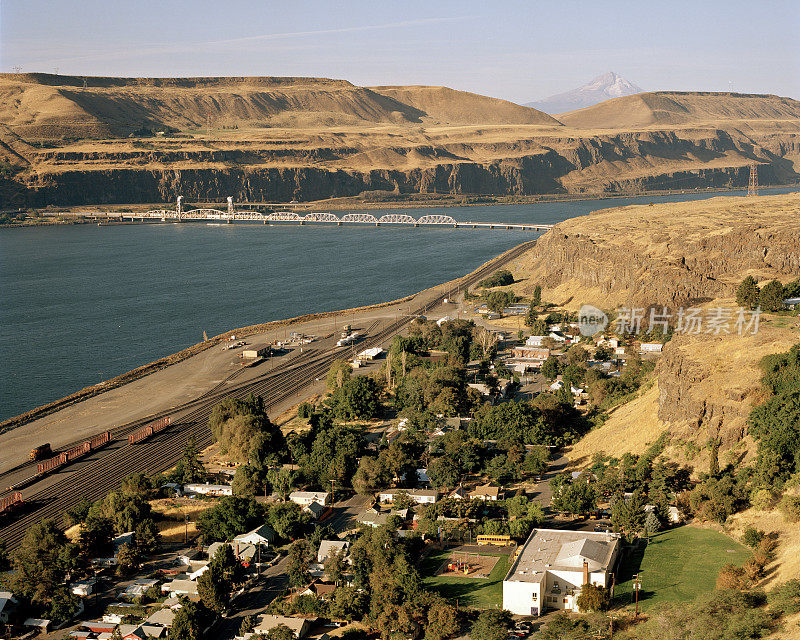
<point>261,330</point>
<point>385,200</point>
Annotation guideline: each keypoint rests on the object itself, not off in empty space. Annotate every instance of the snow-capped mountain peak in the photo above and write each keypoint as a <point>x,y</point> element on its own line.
<point>603,87</point>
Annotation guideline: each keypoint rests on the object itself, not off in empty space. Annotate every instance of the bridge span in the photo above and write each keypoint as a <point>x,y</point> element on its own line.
<point>315,217</point>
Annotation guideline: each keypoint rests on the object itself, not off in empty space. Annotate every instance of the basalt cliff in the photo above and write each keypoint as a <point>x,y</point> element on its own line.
<point>68,140</point>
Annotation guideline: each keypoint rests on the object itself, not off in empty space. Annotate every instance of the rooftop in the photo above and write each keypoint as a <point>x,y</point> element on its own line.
<point>559,550</point>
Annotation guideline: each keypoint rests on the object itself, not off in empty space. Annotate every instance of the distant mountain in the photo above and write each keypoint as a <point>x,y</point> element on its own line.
<point>609,85</point>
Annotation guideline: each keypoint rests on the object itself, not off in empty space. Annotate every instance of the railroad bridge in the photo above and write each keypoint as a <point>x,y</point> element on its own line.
<point>231,214</point>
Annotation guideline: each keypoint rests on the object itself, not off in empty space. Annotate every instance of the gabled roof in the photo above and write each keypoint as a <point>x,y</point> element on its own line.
<point>264,531</point>
<point>486,490</point>
<point>573,554</point>
<point>329,548</point>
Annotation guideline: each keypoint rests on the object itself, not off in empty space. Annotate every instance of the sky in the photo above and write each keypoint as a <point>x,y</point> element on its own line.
<point>519,51</point>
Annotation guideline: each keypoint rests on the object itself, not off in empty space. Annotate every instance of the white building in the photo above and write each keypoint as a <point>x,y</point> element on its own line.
<point>208,489</point>
<point>420,496</point>
<point>262,535</point>
<point>299,626</point>
<point>330,548</point>
<point>651,347</point>
<point>304,498</point>
<point>553,565</point>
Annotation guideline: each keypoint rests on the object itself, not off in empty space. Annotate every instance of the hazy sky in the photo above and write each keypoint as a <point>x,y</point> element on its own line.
<point>520,51</point>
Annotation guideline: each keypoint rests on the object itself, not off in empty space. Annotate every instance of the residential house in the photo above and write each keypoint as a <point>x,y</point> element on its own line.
<point>485,492</point>
<point>304,498</point>
<point>162,618</point>
<point>330,548</point>
<point>315,509</point>
<point>208,489</point>
<point>553,565</point>
<point>651,347</point>
<point>8,605</point>
<point>244,552</point>
<point>180,587</point>
<point>420,496</point>
<point>262,535</point>
<point>299,626</point>
<point>84,588</point>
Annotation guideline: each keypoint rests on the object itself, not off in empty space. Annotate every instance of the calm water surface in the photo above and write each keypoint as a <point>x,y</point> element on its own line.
<point>81,304</point>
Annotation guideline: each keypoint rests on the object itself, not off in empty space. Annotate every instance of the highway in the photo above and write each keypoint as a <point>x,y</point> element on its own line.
<point>101,472</point>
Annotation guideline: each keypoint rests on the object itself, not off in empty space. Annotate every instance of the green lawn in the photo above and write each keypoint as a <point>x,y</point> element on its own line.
<point>676,566</point>
<point>481,593</point>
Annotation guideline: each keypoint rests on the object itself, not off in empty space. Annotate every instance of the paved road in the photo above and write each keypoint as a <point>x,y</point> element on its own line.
<point>543,492</point>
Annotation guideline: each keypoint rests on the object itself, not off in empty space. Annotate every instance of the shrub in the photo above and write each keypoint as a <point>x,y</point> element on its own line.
<point>790,507</point>
<point>785,599</point>
<point>751,537</point>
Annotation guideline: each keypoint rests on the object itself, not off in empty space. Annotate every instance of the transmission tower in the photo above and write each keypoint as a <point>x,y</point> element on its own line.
<point>752,189</point>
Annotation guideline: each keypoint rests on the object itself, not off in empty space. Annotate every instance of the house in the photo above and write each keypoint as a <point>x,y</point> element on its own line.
<point>532,354</point>
<point>480,387</point>
<point>534,341</point>
<point>180,587</point>
<point>8,605</point>
<point>140,631</point>
<point>557,336</point>
<point>186,556</point>
<point>619,351</point>
<point>84,588</point>
<point>99,627</point>
<point>304,498</point>
<point>420,496</point>
<point>485,492</point>
<point>262,535</point>
<point>459,493</point>
<point>245,553</point>
<point>374,518</point>
<point>329,548</point>
<point>315,509</point>
<point>370,354</point>
<point>161,618</point>
<point>208,489</point>
<point>299,626</point>
<point>651,347</point>
<point>553,565</point>
<point>137,589</point>
<point>792,303</point>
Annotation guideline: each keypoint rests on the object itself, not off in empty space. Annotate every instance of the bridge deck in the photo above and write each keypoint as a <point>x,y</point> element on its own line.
<point>197,215</point>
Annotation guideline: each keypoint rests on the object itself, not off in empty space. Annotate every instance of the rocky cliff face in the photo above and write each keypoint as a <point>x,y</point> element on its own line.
<point>667,254</point>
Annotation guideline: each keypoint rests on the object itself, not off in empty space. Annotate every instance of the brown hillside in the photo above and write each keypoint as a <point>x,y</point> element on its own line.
<point>686,108</point>
<point>447,106</point>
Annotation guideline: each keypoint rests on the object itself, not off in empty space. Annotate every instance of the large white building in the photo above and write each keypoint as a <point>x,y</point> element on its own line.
<point>305,498</point>
<point>553,565</point>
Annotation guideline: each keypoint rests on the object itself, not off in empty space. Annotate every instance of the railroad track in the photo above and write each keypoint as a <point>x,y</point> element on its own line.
<point>93,479</point>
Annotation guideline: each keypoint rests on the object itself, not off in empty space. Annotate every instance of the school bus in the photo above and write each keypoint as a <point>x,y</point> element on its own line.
<point>498,541</point>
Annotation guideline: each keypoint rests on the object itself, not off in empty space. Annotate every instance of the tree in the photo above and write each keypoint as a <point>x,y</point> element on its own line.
<point>280,632</point>
<point>752,537</point>
<point>536,299</point>
<point>356,398</point>
<point>244,432</point>
<point>188,621</point>
<point>785,599</point>
<point>440,618</point>
<point>127,559</point>
<point>551,368</point>
<point>213,589</point>
<point>230,517</point>
<point>41,564</point>
<point>577,354</point>
<point>298,564</point>
<point>95,535</point>
<point>338,374</point>
<point>593,598</point>
<point>248,624</point>
<point>286,519</point>
<point>147,536</point>
<point>335,566</point>
<point>349,603</point>
<point>189,468</point>
<point>651,523</point>
<point>747,294</point>
<point>770,298</point>
<point>499,300</point>
<point>371,475</point>
<point>491,625</point>
<point>536,460</point>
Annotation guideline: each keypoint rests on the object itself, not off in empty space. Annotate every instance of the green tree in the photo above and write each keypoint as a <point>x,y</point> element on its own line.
<point>213,589</point>
<point>536,299</point>
<point>280,632</point>
<point>127,559</point>
<point>357,398</point>
<point>651,523</point>
<point>287,520</point>
<point>577,354</point>
<point>230,517</point>
<point>747,294</point>
<point>338,374</point>
<point>41,564</point>
<point>189,468</point>
<point>371,475</point>
<point>188,621</point>
<point>349,603</point>
<point>298,570</point>
<point>770,298</point>
<point>551,368</point>
<point>593,598</point>
<point>785,599</point>
<point>499,300</point>
<point>245,433</point>
<point>491,625</point>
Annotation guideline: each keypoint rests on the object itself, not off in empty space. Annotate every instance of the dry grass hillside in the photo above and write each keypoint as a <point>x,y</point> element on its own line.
<point>147,140</point>
<point>687,108</point>
<point>445,105</point>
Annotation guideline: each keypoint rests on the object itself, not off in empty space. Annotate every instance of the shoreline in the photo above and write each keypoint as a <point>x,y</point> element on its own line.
<point>406,201</point>
<point>162,363</point>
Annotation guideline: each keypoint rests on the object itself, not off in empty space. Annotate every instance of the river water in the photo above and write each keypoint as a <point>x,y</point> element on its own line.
<point>81,304</point>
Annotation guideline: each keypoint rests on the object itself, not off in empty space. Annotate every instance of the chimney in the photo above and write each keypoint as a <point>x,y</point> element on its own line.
<point>585,572</point>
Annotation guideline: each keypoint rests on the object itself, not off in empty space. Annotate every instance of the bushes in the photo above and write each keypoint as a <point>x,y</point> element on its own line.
<point>751,537</point>
<point>790,507</point>
<point>785,599</point>
<point>499,278</point>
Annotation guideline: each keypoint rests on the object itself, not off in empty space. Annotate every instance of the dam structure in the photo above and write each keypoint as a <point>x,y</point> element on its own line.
<point>231,214</point>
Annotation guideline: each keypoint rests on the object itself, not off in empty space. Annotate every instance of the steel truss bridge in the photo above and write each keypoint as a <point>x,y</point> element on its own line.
<point>231,215</point>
